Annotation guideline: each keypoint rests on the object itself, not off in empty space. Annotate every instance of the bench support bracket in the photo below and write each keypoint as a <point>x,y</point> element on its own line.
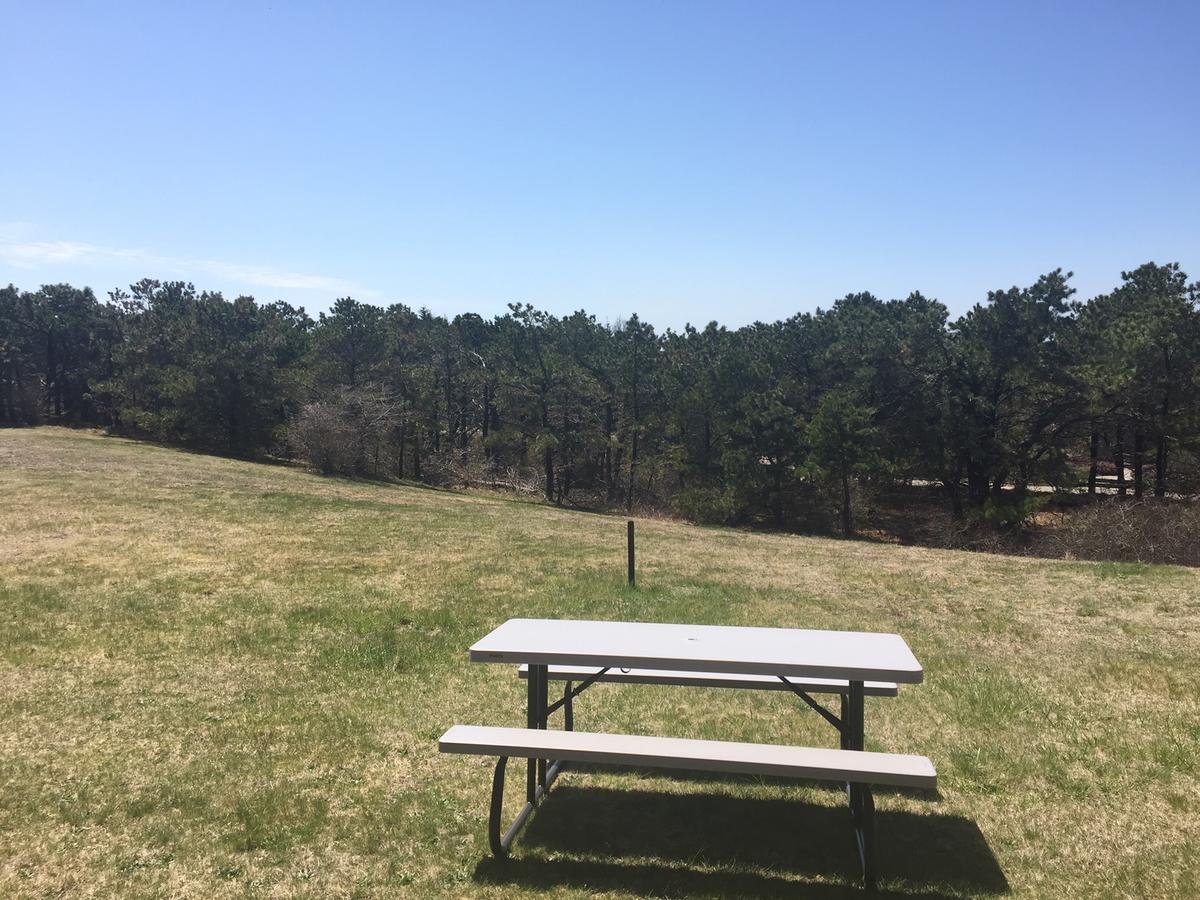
<point>814,705</point>
<point>570,694</point>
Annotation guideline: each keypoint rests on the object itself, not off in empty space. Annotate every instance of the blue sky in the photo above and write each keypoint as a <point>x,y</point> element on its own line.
<point>690,161</point>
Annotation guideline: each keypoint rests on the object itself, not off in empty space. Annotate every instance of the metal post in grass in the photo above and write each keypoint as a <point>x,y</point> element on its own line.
<point>629,542</point>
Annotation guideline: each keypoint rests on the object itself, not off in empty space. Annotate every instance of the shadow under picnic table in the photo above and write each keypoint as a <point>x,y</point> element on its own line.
<point>636,841</point>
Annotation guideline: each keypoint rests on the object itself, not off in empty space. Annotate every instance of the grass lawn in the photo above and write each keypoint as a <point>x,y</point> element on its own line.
<point>227,679</point>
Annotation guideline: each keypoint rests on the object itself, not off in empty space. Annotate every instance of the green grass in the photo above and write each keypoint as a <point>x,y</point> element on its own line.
<point>221,679</point>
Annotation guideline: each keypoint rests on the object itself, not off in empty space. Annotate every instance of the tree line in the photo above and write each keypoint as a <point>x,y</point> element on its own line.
<point>780,423</point>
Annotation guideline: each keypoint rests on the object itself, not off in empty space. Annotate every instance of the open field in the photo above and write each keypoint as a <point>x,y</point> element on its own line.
<point>227,679</point>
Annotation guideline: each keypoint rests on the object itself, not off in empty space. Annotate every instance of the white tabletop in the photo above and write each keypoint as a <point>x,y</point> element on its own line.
<point>853,655</point>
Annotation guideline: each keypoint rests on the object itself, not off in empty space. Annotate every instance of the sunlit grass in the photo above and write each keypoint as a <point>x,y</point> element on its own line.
<point>226,679</point>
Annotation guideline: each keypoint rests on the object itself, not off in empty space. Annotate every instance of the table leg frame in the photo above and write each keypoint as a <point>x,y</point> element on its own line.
<point>532,718</point>
<point>862,802</point>
<point>542,773</point>
<point>500,842</point>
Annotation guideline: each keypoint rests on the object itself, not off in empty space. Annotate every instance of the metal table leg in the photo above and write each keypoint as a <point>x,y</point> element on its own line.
<point>543,699</point>
<point>862,803</point>
<point>532,693</point>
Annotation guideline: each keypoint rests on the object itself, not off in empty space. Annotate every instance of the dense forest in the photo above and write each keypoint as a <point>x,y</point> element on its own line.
<point>783,424</point>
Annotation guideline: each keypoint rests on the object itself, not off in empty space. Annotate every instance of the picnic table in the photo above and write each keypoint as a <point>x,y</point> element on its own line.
<point>850,664</point>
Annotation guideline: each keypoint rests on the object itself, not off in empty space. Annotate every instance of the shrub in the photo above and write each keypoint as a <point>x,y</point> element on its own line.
<point>347,433</point>
<point>1013,513</point>
<point>1159,531</point>
<point>319,435</point>
<point>707,505</point>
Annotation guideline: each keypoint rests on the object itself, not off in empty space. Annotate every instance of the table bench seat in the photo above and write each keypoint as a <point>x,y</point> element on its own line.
<point>713,680</point>
<point>818,763</point>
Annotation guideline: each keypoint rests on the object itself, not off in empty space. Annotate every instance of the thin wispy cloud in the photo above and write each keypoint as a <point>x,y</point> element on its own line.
<point>25,254</point>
